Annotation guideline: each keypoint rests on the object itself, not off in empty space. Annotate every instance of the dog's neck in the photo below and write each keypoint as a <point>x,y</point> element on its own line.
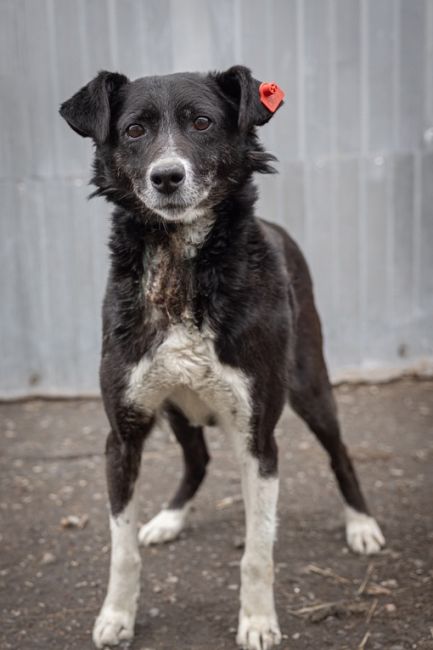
<point>188,237</point>
<point>168,259</point>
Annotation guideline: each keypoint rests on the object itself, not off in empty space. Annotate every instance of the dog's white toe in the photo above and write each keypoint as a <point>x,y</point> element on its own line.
<point>258,632</point>
<point>363,533</point>
<point>165,527</point>
<point>112,627</point>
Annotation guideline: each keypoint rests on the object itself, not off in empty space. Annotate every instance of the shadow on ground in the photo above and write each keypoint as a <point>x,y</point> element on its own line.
<point>53,577</point>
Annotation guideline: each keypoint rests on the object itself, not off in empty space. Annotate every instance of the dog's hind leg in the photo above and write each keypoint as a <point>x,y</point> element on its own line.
<point>116,620</point>
<point>170,521</point>
<point>311,397</point>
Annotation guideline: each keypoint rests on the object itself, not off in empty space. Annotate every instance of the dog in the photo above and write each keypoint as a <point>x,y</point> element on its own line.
<point>208,319</point>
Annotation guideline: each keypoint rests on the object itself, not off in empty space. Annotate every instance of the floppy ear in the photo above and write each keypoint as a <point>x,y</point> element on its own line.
<point>255,101</point>
<point>88,111</point>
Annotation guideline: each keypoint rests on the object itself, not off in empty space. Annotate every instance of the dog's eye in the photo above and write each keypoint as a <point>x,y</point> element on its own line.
<point>202,123</point>
<point>135,131</point>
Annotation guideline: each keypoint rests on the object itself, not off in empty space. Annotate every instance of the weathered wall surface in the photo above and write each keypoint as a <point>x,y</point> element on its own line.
<point>354,140</point>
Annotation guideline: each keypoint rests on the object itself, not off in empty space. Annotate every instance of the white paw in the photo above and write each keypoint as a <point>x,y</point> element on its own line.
<point>363,533</point>
<point>165,527</point>
<point>258,632</point>
<point>112,627</point>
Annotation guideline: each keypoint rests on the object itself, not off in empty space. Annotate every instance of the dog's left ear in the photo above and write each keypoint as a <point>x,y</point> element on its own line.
<point>255,101</point>
<point>88,112</point>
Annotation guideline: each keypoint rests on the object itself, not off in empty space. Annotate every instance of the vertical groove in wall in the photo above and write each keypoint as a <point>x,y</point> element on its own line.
<point>238,31</point>
<point>428,71</point>
<point>300,15</point>
<point>307,207</point>
<point>390,243</point>
<point>333,150</point>
<point>335,241</point>
<point>390,212</point>
<point>417,217</point>
<point>43,245</point>
<point>300,31</point>
<point>27,349</point>
<point>84,45</point>
<point>143,49</point>
<point>333,77</point>
<point>49,10</point>
<point>362,169</point>
<point>396,24</point>
<point>419,157</point>
<point>362,280</point>
<point>112,29</point>
<point>363,25</point>
<point>19,31</point>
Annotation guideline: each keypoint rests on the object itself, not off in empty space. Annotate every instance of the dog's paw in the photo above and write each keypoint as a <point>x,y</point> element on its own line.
<point>258,632</point>
<point>363,533</point>
<point>112,627</point>
<point>165,527</point>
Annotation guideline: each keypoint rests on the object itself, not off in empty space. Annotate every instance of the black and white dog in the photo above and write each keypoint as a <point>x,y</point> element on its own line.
<point>208,318</point>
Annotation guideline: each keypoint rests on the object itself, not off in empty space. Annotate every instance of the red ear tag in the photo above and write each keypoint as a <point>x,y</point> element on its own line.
<point>271,95</point>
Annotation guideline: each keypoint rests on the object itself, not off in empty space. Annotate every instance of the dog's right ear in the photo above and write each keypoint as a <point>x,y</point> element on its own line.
<point>254,101</point>
<point>88,111</point>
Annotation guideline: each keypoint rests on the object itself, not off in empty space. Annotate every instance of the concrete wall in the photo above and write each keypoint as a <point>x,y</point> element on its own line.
<point>354,140</point>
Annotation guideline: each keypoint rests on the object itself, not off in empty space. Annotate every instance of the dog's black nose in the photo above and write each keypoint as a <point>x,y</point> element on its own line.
<point>166,178</point>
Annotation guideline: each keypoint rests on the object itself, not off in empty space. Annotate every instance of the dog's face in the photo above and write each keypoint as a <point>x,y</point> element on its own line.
<point>178,143</point>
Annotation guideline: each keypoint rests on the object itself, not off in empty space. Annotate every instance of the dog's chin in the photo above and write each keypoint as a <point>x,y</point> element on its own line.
<point>178,213</point>
<point>176,208</point>
<point>174,211</point>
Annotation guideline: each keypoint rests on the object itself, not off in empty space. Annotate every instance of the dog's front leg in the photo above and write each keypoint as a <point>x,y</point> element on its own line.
<point>116,620</point>
<point>258,624</point>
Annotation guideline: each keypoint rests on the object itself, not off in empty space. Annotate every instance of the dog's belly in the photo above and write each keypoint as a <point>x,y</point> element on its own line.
<point>185,370</point>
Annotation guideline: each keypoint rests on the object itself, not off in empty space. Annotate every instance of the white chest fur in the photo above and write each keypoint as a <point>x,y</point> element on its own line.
<point>185,370</point>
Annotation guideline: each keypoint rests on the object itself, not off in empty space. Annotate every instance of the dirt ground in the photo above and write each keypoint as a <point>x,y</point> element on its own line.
<point>53,578</point>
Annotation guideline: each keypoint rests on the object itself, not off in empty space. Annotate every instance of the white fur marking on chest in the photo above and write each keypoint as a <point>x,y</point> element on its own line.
<point>186,370</point>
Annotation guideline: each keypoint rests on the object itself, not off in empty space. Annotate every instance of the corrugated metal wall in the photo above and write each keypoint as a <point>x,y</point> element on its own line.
<point>354,140</point>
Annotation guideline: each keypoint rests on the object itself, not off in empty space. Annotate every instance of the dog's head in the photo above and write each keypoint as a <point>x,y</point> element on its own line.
<point>175,144</point>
